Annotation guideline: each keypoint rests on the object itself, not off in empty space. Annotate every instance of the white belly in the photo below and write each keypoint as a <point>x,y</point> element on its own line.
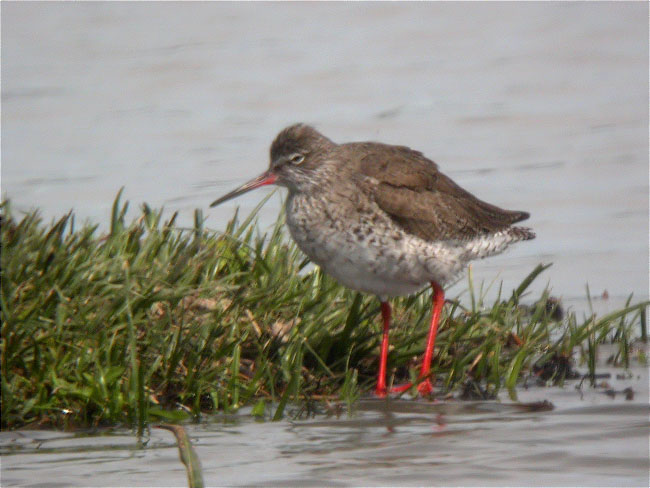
<point>373,257</point>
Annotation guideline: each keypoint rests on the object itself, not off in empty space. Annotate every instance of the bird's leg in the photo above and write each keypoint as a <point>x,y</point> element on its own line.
<point>380,391</point>
<point>425,387</point>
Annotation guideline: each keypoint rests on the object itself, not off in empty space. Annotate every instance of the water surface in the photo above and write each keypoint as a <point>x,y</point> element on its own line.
<point>590,438</point>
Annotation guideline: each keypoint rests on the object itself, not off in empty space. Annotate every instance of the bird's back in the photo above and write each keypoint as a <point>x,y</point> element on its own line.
<point>422,200</point>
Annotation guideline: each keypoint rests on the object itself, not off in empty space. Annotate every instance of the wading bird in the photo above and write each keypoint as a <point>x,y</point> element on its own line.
<point>382,219</point>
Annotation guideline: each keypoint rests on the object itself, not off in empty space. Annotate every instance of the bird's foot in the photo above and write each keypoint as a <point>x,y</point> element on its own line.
<point>425,388</point>
<point>382,392</point>
<point>401,388</point>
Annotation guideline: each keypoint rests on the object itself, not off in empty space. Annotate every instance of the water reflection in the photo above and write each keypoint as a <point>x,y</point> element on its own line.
<point>587,438</point>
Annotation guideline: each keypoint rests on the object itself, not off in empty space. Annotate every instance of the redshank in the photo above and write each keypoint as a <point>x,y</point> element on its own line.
<point>382,219</point>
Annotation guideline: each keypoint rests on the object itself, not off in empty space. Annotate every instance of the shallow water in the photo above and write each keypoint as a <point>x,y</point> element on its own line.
<point>535,106</point>
<point>589,438</point>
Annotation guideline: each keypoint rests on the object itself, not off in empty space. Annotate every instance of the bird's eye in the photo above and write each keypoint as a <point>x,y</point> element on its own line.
<point>297,158</point>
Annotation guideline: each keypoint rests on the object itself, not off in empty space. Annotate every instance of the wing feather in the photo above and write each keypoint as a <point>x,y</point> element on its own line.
<point>425,202</point>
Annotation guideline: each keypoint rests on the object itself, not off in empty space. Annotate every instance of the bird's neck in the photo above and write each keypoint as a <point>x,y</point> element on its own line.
<point>312,181</point>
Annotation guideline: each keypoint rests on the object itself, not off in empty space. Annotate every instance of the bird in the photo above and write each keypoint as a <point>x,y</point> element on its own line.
<point>384,220</point>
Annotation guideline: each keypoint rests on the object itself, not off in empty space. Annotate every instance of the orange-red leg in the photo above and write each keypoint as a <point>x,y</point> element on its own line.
<point>424,387</point>
<point>380,391</point>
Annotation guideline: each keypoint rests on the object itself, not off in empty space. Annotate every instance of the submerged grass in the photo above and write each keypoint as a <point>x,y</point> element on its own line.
<point>154,322</point>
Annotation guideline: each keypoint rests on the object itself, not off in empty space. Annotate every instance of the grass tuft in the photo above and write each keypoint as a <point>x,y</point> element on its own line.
<point>152,322</point>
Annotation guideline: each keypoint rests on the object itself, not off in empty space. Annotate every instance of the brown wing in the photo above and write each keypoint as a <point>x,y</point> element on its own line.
<point>425,202</point>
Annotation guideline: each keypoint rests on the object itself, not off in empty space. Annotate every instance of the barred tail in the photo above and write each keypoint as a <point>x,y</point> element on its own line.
<point>521,233</point>
<point>491,244</point>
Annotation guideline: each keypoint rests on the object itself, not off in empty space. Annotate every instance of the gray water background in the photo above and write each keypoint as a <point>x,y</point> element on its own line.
<point>534,106</point>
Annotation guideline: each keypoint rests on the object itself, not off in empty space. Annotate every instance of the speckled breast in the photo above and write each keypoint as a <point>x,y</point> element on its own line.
<point>364,250</point>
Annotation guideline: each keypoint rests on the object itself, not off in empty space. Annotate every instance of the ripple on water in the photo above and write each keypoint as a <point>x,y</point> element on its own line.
<point>588,438</point>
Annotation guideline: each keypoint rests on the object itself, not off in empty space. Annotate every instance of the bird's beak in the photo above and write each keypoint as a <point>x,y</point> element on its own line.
<point>266,178</point>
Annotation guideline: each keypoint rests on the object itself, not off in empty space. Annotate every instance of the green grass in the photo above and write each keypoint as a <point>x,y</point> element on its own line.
<point>152,322</point>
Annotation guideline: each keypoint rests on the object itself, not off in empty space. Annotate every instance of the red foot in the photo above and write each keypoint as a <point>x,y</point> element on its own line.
<point>401,388</point>
<point>425,388</point>
<point>381,392</point>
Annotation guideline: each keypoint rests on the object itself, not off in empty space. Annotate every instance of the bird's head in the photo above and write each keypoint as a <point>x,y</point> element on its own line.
<point>295,153</point>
